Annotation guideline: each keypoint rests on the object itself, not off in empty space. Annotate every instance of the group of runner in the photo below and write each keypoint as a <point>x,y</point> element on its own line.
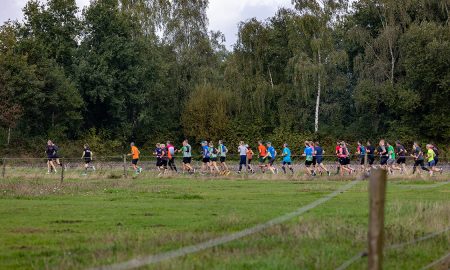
<point>214,157</point>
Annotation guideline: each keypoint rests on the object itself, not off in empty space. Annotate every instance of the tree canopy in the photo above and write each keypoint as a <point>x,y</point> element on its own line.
<point>149,70</point>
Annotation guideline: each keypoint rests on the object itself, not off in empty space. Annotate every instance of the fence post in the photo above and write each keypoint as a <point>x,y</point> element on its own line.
<point>365,161</point>
<point>125,166</point>
<point>377,196</point>
<point>62,171</point>
<point>3,167</point>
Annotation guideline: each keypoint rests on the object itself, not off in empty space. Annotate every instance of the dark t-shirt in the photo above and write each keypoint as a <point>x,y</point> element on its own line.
<point>51,151</point>
<point>418,153</point>
<point>370,151</point>
<point>381,151</point>
<point>401,151</point>
<point>158,152</point>
<point>319,151</point>
<point>87,153</point>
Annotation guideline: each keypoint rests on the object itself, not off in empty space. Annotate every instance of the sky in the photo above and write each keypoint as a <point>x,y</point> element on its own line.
<point>224,15</point>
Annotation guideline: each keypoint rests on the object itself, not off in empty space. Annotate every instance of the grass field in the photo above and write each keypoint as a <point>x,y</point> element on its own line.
<point>94,221</point>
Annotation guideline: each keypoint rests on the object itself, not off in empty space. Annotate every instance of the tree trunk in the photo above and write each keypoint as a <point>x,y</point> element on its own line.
<point>392,61</point>
<point>9,135</point>
<point>270,76</point>
<point>316,120</point>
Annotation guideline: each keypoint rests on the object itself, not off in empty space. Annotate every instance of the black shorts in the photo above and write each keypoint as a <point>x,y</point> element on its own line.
<point>187,160</point>
<point>134,161</point>
<point>383,160</point>
<point>164,162</point>
<point>262,160</point>
<point>87,160</point>
<point>308,163</point>
<point>401,160</point>
<point>371,160</point>
<point>206,160</point>
<point>288,163</point>
<point>158,162</point>
<point>362,161</point>
<point>249,161</point>
<point>314,161</point>
<point>214,159</point>
<point>319,160</point>
<point>222,159</point>
<point>343,161</point>
<point>347,161</point>
<point>271,161</point>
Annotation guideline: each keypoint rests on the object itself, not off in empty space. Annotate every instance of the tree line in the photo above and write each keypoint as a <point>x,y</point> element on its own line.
<point>149,70</point>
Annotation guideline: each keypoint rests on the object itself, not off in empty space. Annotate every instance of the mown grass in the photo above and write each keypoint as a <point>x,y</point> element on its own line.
<point>93,221</point>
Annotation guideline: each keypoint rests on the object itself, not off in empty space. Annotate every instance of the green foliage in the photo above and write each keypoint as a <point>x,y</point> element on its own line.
<point>382,70</point>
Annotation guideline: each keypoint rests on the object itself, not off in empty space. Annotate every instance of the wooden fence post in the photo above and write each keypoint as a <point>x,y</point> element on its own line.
<point>3,167</point>
<point>365,162</point>
<point>62,171</point>
<point>125,166</point>
<point>377,196</point>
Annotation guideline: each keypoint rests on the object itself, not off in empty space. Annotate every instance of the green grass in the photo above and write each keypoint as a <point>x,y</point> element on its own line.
<point>96,221</point>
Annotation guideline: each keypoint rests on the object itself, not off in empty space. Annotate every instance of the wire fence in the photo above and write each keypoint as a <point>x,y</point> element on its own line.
<point>120,166</point>
<point>364,253</point>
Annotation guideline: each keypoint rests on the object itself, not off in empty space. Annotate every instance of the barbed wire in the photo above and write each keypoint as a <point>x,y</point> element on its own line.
<point>442,259</point>
<point>364,253</point>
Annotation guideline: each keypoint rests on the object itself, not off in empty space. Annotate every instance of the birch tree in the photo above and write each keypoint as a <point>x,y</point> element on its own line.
<point>314,45</point>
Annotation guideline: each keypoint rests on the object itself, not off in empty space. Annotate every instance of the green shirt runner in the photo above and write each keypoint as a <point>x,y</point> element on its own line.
<point>186,151</point>
<point>391,152</point>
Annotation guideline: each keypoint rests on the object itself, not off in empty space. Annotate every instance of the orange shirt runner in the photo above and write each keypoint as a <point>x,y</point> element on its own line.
<point>262,150</point>
<point>135,152</point>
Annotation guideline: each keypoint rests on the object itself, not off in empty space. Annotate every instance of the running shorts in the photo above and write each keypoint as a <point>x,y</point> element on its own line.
<point>134,161</point>
<point>401,160</point>
<point>187,160</point>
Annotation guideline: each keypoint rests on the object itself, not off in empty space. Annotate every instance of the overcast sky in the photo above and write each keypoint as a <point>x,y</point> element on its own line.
<point>224,15</point>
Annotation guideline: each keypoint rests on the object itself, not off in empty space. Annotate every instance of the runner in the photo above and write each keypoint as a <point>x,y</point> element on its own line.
<point>213,154</point>
<point>135,158</point>
<point>262,150</point>
<point>286,159</point>
<point>55,155</point>
<point>361,152</point>
<point>391,159</point>
<point>337,151</point>
<point>87,156</point>
<point>370,149</point>
<point>382,151</point>
<point>308,154</point>
<point>51,154</point>
<point>314,161</point>
<point>242,150</point>
<point>171,154</point>
<point>249,158</point>
<point>206,158</point>
<point>344,159</point>
<point>187,157</point>
<point>345,154</point>
<point>164,158</point>
<point>158,153</point>
<point>223,156</point>
<point>272,155</point>
<point>436,152</point>
<point>401,154</point>
<point>418,158</point>
<point>319,158</point>
<point>431,160</point>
